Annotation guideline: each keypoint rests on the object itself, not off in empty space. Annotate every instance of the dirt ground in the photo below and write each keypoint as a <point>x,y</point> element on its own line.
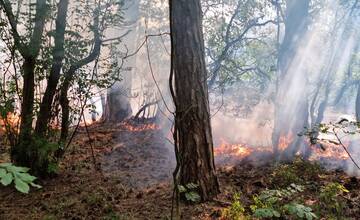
<point>134,181</point>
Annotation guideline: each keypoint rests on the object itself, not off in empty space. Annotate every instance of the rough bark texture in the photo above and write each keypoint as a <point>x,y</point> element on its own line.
<point>192,105</point>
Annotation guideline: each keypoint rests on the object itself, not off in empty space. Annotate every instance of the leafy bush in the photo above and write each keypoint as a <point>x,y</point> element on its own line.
<point>330,198</point>
<point>10,173</point>
<point>300,211</point>
<point>286,174</point>
<point>235,211</point>
<point>280,203</point>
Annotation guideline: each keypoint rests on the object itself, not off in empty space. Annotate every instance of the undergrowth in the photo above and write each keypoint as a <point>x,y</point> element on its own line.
<point>298,193</point>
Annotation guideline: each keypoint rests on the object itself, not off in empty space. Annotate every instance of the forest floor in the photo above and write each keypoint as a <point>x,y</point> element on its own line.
<point>134,182</point>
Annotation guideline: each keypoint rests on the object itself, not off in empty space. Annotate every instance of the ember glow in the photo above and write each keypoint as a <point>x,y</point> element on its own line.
<point>139,127</point>
<point>285,141</point>
<point>324,152</point>
<point>12,121</point>
<point>329,151</point>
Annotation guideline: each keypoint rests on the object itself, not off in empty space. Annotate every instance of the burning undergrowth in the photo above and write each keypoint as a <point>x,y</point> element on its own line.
<point>249,139</point>
<point>330,155</point>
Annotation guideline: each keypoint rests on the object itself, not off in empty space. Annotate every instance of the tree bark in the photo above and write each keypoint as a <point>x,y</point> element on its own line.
<point>25,152</point>
<point>192,105</point>
<point>53,79</point>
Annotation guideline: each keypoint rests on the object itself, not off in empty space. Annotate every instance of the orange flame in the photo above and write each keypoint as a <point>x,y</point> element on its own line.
<point>285,141</point>
<point>12,120</point>
<point>238,150</point>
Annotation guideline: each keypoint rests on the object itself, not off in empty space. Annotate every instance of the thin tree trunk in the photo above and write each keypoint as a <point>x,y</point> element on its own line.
<point>192,104</point>
<point>357,104</point>
<point>53,80</point>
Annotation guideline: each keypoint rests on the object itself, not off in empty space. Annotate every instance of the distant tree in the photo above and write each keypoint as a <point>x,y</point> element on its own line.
<point>117,107</point>
<point>296,22</point>
<point>192,121</point>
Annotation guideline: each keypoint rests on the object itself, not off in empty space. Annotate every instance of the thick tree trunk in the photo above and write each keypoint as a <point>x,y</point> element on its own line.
<point>192,104</point>
<point>53,80</point>
<point>117,107</point>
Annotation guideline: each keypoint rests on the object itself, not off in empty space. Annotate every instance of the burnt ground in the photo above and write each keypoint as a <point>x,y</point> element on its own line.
<point>134,181</point>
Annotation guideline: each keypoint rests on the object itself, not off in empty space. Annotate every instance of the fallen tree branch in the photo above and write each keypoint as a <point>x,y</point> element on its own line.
<point>145,107</point>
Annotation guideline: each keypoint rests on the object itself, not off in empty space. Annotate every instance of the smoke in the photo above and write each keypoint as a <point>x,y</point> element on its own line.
<point>323,56</point>
<point>242,114</point>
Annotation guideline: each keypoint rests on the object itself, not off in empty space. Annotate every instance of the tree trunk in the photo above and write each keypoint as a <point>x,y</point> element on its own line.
<point>21,152</point>
<point>26,152</point>
<point>297,13</point>
<point>357,104</point>
<point>117,107</point>
<point>192,105</point>
<point>53,80</point>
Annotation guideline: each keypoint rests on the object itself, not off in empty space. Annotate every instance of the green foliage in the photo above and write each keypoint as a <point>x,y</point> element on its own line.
<point>300,211</point>
<point>286,174</point>
<point>19,175</point>
<point>266,213</point>
<point>236,211</point>
<point>280,203</point>
<point>330,198</point>
<point>189,191</point>
<point>45,153</point>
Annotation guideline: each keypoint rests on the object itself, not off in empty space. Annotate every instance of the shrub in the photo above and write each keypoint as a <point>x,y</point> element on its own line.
<point>19,175</point>
<point>281,203</point>
<point>235,211</point>
<point>330,198</point>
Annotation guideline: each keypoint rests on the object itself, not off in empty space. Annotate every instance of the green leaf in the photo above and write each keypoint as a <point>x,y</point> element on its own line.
<point>276,214</point>
<point>7,179</point>
<point>308,216</point>
<point>21,186</point>
<point>265,213</point>
<point>25,177</point>
<point>181,189</point>
<point>192,196</point>
<point>15,169</point>
<point>2,172</point>
<point>192,186</point>
<point>5,165</point>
